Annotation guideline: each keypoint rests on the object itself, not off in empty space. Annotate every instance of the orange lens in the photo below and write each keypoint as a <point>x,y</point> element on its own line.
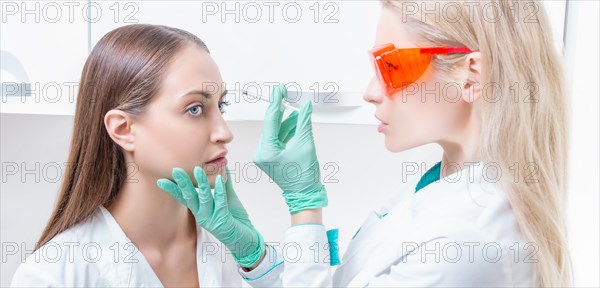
<point>398,68</point>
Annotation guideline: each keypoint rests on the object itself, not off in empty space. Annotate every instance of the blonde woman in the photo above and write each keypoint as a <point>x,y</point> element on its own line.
<point>491,212</point>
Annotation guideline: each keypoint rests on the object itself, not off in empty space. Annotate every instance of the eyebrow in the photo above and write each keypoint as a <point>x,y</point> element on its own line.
<point>203,93</point>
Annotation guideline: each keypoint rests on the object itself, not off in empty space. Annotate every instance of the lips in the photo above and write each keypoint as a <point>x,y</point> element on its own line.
<point>382,122</point>
<point>218,157</point>
<point>382,125</point>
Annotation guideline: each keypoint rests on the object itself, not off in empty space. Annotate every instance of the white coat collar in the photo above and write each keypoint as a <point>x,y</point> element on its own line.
<point>135,271</point>
<point>403,209</point>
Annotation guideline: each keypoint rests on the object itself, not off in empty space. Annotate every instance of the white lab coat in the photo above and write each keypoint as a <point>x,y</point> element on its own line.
<point>97,253</point>
<point>417,242</point>
<point>412,240</point>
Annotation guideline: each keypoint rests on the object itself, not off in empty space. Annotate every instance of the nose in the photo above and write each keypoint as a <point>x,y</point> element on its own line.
<point>373,94</point>
<point>220,132</point>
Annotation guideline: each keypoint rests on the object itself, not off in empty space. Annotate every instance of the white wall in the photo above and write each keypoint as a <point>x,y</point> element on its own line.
<point>583,65</point>
<point>365,173</point>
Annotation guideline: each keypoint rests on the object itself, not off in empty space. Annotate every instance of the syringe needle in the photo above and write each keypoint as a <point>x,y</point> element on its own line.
<point>286,105</point>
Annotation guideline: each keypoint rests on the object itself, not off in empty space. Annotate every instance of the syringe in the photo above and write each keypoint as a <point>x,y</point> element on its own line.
<point>285,104</point>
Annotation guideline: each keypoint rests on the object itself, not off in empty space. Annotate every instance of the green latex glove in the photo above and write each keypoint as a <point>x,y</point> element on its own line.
<point>223,215</point>
<point>293,167</point>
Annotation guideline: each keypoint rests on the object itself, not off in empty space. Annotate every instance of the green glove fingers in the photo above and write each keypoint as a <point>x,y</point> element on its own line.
<point>201,179</point>
<point>248,247</point>
<point>294,168</point>
<point>274,114</point>
<point>205,198</point>
<point>304,128</point>
<point>236,208</point>
<point>187,189</point>
<point>172,188</point>
<point>223,215</point>
<point>288,128</point>
<point>220,198</point>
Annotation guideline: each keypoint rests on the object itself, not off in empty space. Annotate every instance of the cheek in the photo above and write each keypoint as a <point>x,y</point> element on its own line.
<point>425,115</point>
<point>449,107</point>
<point>171,143</point>
<point>408,121</point>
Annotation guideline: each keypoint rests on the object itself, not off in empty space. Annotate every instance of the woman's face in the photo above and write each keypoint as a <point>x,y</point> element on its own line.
<point>183,125</point>
<point>430,111</point>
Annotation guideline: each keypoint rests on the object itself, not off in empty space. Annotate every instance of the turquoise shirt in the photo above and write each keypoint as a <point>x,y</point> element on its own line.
<point>430,176</point>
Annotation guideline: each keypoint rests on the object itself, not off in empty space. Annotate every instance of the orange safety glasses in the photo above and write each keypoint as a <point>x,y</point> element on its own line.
<point>398,68</point>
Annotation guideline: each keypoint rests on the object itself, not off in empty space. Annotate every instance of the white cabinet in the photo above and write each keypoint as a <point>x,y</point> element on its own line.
<point>43,45</point>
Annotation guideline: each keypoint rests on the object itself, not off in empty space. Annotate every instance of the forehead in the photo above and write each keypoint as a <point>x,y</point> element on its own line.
<point>191,69</point>
<point>391,29</point>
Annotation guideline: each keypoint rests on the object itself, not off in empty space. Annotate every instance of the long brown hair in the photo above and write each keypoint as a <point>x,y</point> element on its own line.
<point>123,71</point>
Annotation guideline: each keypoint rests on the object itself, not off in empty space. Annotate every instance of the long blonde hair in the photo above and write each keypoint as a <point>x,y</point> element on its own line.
<point>526,123</point>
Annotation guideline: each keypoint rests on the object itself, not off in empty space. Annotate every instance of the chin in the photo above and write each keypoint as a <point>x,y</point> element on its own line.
<point>392,144</point>
<point>396,146</point>
<point>392,148</point>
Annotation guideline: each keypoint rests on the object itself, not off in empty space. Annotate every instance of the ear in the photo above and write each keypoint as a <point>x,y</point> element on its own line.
<point>119,127</point>
<point>472,87</point>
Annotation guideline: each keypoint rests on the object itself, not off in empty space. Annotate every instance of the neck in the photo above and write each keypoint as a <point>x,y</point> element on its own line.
<point>150,216</point>
<point>462,148</point>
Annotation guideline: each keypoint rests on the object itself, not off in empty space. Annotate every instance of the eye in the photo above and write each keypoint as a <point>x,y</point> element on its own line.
<point>195,110</point>
<point>222,106</point>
